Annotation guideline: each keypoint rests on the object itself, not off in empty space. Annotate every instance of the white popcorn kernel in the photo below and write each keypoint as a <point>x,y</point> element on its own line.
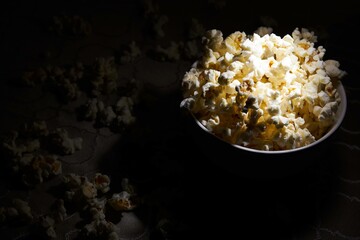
<point>104,74</point>
<point>113,236</point>
<point>262,31</point>
<point>196,29</point>
<point>97,214</point>
<point>226,77</point>
<point>124,104</point>
<point>121,201</point>
<point>92,109</point>
<point>35,129</point>
<point>107,116</point>
<point>228,57</point>
<point>170,53</point>
<point>328,111</point>
<point>273,109</point>
<point>279,121</point>
<point>46,221</point>
<point>23,208</point>
<point>60,140</point>
<point>207,86</point>
<point>51,233</point>
<point>324,97</point>
<point>213,121</point>
<point>211,75</point>
<point>131,53</point>
<point>191,79</point>
<point>236,66</point>
<point>72,180</point>
<point>309,91</point>
<point>223,103</point>
<point>127,186</point>
<point>317,110</point>
<point>61,212</point>
<point>332,69</point>
<point>213,39</point>
<point>89,190</point>
<point>102,182</point>
<point>158,24</point>
<point>209,58</point>
<point>295,93</point>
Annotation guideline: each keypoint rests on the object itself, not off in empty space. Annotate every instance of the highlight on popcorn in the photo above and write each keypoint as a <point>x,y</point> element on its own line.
<point>264,91</point>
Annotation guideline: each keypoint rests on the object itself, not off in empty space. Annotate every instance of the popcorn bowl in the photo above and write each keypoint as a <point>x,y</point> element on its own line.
<point>254,163</point>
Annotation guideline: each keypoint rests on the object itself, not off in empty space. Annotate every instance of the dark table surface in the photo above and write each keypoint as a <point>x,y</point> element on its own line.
<point>176,175</point>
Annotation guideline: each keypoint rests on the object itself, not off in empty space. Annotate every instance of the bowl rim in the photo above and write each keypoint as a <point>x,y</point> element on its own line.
<point>340,115</point>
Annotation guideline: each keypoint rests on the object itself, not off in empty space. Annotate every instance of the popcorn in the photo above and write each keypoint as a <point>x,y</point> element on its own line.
<point>102,182</point>
<point>130,54</point>
<point>100,229</point>
<point>121,201</point>
<point>60,141</point>
<point>196,29</point>
<point>263,91</point>
<point>170,53</point>
<point>103,76</point>
<point>106,116</point>
<point>60,210</point>
<point>16,147</point>
<point>63,81</point>
<point>35,129</point>
<point>124,111</point>
<point>23,208</point>
<point>19,210</point>
<point>40,167</point>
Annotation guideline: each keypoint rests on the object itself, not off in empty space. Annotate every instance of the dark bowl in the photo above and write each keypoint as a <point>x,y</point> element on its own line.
<point>255,163</point>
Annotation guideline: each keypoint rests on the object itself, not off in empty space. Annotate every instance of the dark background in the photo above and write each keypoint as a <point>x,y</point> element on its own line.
<point>177,173</point>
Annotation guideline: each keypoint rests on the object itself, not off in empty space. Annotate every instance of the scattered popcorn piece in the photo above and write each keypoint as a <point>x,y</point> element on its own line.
<point>332,69</point>
<point>127,186</point>
<point>106,116</point>
<point>124,111</point>
<point>60,141</point>
<point>39,167</point>
<point>99,229</point>
<point>63,81</point>
<point>103,76</point>
<point>60,210</point>
<point>263,91</point>
<point>196,29</point>
<point>170,53</point>
<point>121,201</point>
<point>130,53</point>
<point>158,22</point>
<point>46,223</point>
<point>92,107</point>
<point>102,182</point>
<point>16,147</point>
<point>35,129</point>
<point>23,209</point>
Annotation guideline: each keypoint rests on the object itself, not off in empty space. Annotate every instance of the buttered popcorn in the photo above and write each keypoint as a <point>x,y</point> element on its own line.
<point>263,91</point>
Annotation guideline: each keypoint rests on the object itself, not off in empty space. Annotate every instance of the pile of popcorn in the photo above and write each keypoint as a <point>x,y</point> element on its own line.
<point>263,91</point>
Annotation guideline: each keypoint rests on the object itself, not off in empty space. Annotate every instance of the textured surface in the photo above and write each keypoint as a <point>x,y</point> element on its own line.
<point>161,154</point>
